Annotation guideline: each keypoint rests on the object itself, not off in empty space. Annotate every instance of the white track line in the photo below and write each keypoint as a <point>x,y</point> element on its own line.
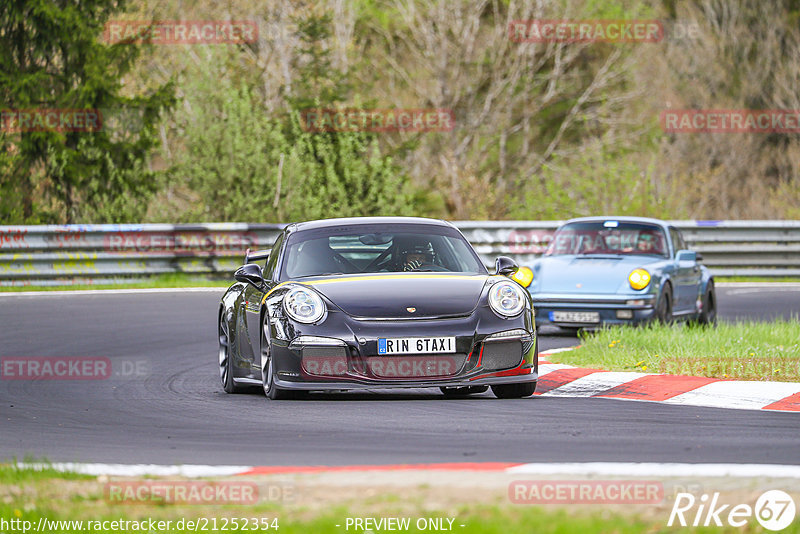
<point>546,368</point>
<point>737,394</point>
<point>659,469</point>
<point>556,351</point>
<point>593,384</point>
<point>790,285</point>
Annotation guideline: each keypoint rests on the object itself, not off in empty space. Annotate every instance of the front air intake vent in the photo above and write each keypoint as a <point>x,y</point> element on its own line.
<point>500,355</point>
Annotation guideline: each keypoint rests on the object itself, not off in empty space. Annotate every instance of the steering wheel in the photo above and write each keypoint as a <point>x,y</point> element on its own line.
<point>429,267</point>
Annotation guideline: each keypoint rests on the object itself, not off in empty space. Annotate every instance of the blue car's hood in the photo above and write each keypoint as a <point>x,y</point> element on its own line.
<point>586,273</point>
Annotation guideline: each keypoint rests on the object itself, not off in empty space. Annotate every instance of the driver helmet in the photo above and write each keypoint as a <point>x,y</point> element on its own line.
<point>416,254</point>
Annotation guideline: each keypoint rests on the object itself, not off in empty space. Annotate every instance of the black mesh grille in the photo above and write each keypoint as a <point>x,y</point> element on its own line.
<point>324,361</point>
<point>501,355</point>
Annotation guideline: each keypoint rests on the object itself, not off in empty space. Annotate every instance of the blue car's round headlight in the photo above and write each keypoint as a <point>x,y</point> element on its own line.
<point>303,305</point>
<point>507,299</point>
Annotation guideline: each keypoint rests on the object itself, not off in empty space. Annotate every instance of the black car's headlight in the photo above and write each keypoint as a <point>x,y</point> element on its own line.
<point>303,305</point>
<point>507,299</point>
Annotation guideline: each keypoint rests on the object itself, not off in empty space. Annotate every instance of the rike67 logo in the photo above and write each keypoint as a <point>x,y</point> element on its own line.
<point>774,510</point>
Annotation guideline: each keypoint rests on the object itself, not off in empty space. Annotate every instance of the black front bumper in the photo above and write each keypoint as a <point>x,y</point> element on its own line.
<point>355,363</point>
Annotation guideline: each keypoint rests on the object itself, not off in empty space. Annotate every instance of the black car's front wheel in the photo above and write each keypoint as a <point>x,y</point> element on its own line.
<point>225,359</point>
<point>268,375</point>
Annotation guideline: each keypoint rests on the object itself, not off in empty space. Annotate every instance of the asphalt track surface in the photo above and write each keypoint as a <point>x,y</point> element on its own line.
<point>171,408</point>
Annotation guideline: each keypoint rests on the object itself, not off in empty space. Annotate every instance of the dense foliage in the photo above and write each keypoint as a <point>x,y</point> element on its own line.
<point>213,132</point>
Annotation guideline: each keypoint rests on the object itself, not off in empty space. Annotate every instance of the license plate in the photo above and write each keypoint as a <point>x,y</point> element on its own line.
<point>575,317</point>
<point>416,345</point>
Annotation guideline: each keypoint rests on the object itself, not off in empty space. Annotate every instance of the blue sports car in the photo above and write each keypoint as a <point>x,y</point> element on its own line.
<point>619,270</point>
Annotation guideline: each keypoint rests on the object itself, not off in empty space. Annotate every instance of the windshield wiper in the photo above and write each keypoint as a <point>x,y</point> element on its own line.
<point>319,274</point>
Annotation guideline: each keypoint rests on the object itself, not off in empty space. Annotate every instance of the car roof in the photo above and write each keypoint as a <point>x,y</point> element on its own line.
<point>347,221</point>
<point>647,220</point>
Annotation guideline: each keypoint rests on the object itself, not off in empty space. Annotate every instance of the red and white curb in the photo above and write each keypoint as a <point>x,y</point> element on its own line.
<point>635,469</point>
<point>558,380</point>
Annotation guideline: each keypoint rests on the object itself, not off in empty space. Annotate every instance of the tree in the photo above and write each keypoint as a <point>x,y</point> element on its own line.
<point>243,161</point>
<point>51,58</point>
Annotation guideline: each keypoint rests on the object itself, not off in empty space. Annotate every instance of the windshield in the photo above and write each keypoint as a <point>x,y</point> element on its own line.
<point>609,237</point>
<point>378,249</point>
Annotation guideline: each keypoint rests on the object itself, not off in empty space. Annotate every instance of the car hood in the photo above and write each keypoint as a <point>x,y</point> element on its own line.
<point>391,295</point>
<point>586,274</point>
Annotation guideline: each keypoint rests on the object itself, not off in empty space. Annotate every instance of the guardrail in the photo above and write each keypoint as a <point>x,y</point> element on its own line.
<point>69,254</point>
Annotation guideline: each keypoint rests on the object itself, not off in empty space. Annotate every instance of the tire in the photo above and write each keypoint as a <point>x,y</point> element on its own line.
<point>664,310</point>
<point>460,392</point>
<point>514,391</point>
<point>271,391</point>
<point>708,315</point>
<point>225,360</point>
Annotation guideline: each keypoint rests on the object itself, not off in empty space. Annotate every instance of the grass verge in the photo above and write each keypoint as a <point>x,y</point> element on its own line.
<point>159,281</point>
<point>745,351</point>
<point>71,504</point>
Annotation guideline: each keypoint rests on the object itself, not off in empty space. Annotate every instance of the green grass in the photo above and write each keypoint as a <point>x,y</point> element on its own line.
<point>14,474</point>
<point>28,495</point>
<point>746,351</point>
<point>159,281</point>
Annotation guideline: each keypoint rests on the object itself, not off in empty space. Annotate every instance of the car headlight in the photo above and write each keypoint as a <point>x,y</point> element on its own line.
<point>303,305</point>
<point>506,299</point>
<point>638,279</point>
<point>524,276</point>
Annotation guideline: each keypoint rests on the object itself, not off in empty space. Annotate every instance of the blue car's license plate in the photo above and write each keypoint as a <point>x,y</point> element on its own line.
<point>574,317</point>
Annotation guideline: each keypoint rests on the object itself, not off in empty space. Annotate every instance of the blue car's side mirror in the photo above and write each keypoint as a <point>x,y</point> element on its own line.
<point>686,256</point>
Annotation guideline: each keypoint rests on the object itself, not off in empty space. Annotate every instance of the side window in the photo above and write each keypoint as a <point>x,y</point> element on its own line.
<point>677,239</point>
<point>269,270</point>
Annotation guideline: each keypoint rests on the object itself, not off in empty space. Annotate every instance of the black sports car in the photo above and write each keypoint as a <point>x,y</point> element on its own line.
<point>366,303</point>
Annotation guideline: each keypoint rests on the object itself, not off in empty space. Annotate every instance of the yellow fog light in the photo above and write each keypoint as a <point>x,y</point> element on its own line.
<point>639,278</point>
<point>524,276</point>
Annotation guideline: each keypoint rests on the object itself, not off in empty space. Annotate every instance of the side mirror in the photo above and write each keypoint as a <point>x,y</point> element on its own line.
<point>686,256</point>
<point>250,274</point>
<point>505,266</point>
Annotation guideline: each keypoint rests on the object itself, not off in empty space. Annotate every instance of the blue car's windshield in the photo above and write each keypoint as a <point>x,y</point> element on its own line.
<point>609,237</point>
<point>378,249</point>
